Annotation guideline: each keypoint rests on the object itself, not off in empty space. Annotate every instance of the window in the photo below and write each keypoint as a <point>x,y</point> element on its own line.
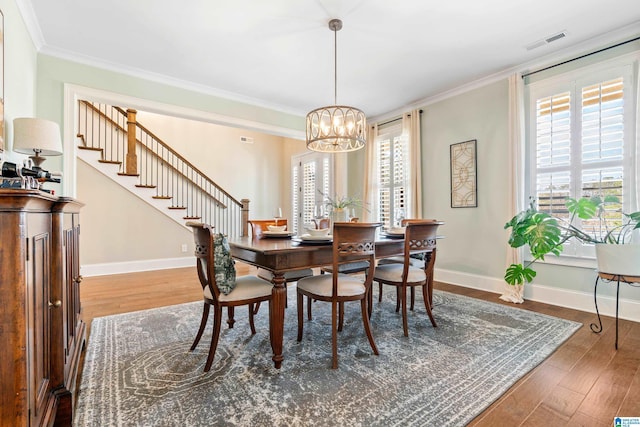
<point>581,143</point>
<point>392,169</point>
<point>311,179</point>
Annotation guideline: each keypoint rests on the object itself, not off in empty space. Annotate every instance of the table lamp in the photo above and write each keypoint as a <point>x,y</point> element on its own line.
<point>38,137</point>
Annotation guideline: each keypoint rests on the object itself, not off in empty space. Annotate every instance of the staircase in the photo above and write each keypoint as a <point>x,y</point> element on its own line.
<point>113,142</point>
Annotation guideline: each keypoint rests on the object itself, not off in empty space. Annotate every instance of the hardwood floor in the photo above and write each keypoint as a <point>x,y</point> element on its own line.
<point>586,382</point>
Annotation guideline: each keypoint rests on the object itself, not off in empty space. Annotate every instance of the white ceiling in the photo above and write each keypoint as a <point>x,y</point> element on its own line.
<point>279,53</point>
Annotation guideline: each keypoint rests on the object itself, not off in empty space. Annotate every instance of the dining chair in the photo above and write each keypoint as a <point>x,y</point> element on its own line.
<point>417,260</point>
<point>322,223</point>
<point>351,242</point>
<point>259,226</point>
<point>346,268</point>
<point>419,238</point>
<point>220,287</point>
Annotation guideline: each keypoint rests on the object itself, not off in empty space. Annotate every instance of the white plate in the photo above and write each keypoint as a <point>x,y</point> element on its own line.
<point>310,238</point>
<point>277,233</point>
<point>396,231</point>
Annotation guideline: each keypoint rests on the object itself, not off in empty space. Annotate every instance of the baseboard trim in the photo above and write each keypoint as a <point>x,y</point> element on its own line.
<point>136,266</point>
<point>628,309</point>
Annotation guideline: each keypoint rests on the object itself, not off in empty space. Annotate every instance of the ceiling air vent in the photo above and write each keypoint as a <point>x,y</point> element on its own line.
<point>246,140</point>
<point>547,40</point>
<point>555,37</point>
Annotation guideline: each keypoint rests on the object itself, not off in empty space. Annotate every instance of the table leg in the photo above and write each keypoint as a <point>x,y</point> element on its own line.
<point>430,262</point>
<point>276,317</point>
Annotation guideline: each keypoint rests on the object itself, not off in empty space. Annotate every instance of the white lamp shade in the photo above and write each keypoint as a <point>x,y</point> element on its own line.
<point>31,135</point>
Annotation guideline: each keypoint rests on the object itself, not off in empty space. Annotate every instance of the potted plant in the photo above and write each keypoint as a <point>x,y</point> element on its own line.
<point>338,208</point>
<point>544,235</point>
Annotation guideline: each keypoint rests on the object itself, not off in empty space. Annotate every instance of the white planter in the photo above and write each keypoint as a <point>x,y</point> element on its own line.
<point>339,215</point>
<point>618,259</point>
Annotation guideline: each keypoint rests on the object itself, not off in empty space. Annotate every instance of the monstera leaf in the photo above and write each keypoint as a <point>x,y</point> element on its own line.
<point>584,208</point>
<point>539,230</point>
<point>517,274</point>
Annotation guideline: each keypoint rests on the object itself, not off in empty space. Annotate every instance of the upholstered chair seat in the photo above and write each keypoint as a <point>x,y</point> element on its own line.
<point>323,285</point>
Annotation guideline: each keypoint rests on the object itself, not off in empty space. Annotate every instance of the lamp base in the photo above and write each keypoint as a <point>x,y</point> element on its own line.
<point>37,159</point>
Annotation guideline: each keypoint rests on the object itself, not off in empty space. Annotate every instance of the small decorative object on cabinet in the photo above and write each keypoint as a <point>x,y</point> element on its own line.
<point>42,334</point>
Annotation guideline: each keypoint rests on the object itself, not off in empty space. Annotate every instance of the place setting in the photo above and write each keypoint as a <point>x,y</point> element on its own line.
<point>315,237</point>
<point>276,230</point>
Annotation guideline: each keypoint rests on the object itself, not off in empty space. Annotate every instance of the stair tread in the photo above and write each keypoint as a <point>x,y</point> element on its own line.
<point>191,217</point>
<point>162,197</point>
<point>177,207</point>
<point>145,186</point>
<point>82,147</point>
<point>111,162</point>
<point>128,174</point>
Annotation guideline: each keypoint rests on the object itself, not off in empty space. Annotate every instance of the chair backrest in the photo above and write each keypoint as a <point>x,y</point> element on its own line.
<point>322,223</point>
<point>215,265</point>
<point>259,226</point>
<point>419,237</point>
<point>204,252</point>
<point>353,241</point>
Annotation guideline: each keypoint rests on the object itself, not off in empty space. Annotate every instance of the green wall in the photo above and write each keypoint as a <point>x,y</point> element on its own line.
<point>473,242</point>
<point>20,67</point>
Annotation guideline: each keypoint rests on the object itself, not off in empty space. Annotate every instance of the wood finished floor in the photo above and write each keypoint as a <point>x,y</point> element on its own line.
<point>586,382</point>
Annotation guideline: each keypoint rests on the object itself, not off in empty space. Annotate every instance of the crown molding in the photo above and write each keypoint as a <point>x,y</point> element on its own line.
<point>164,79</point>
<point>594,43</point>
<point>31,22</point>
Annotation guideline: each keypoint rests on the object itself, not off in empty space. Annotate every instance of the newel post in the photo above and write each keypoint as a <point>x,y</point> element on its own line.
<point>131,165</point>
<point>245,217</point>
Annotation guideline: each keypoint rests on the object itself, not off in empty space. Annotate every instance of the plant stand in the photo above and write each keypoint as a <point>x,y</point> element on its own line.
<point>610,278</point>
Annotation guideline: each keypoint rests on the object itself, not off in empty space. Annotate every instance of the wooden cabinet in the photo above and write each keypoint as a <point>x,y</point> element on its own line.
<point>41,334</point>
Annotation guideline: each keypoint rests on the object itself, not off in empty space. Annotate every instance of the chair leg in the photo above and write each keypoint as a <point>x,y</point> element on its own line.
<point>231,320</point>
<point>203,324</point>
<point>334,334</point>
<point>300,305</point>
<point>367,328</point>
<point>255,311</point>
<point>425,294</point>
<point>251,324</point>
<point>217,320</point>
<point>379,291</point>
<point>340,316</point>
<point>405,325</point>
<point>309,301</point>
<point>397,299</point>
<point>413,297</point>
<point>370,302</point>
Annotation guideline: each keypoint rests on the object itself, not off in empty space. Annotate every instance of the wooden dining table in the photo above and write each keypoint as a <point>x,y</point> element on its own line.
<point>280,255</point>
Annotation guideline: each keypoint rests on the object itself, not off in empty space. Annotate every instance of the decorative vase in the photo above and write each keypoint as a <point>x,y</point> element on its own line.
<point>618,259</point>
<point>339,215</point>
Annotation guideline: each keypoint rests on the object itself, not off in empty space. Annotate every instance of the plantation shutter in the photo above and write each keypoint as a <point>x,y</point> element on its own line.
<point>580,141</point>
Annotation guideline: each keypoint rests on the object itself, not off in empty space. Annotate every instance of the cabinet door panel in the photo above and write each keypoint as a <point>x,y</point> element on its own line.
<point>38,320</point>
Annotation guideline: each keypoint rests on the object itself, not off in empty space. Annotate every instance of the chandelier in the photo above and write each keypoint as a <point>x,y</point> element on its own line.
<point>336,128</point>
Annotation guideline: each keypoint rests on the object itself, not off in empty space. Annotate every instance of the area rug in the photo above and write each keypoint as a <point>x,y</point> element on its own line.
<point>139,372</point>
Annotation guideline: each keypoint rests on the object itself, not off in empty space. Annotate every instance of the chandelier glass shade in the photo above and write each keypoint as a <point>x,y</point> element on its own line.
<point>336,128</point>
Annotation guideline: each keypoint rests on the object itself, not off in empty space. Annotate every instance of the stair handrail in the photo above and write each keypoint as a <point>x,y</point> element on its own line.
<point>242,205</point>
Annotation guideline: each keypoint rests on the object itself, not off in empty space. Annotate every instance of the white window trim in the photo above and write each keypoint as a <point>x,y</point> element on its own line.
<point>627,66</point>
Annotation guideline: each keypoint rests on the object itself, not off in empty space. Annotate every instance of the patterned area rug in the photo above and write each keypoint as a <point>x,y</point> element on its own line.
<point>138,370</point>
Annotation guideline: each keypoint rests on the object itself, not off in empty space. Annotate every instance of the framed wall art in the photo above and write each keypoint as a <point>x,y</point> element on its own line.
<point>463,175</point>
